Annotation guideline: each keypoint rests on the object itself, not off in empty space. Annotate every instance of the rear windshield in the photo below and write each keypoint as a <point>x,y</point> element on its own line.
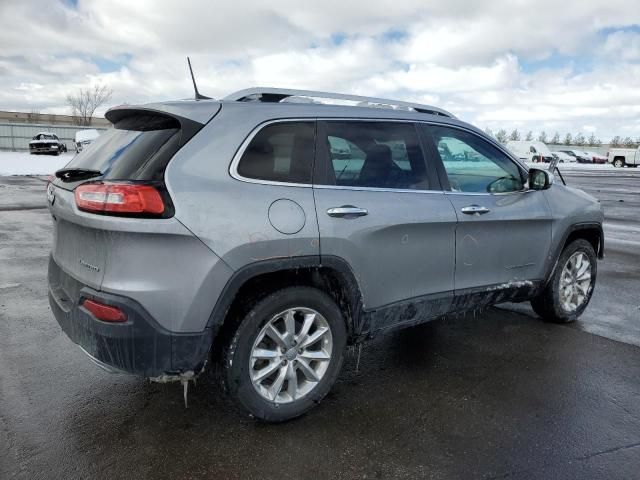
<point>137,148</point>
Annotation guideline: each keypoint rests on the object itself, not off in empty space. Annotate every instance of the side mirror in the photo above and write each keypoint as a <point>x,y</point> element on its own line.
<point>540,179</point>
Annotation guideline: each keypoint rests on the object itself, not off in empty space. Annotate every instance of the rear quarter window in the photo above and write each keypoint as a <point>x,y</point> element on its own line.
<point>280,152</point>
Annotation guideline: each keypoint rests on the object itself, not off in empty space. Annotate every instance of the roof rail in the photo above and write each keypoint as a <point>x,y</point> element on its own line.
<point>274,95</point>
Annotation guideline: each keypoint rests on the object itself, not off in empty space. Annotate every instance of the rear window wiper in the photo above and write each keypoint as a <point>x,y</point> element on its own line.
<point>75,174</point>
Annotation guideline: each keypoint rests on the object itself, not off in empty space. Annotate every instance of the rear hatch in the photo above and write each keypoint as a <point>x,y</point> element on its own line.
<point>135,152</point>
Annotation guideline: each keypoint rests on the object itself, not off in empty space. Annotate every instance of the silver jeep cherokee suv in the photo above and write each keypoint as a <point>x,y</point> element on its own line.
<point>267,231</point>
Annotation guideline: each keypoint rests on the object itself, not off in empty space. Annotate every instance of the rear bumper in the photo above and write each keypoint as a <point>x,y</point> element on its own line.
<point>138,346</point>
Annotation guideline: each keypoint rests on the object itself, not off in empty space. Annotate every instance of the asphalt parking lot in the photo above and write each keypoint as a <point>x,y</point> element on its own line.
<point>498,394</point>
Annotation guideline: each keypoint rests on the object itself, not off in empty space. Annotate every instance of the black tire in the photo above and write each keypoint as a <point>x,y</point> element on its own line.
<point>548,304</point>
<point>235,369</point>
<point>618,163</point>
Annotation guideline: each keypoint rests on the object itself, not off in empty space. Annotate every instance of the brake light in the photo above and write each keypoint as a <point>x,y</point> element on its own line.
<point>115,197</point>
<point>106,313</point>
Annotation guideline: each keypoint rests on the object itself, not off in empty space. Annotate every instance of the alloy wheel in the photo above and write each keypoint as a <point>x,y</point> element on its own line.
<point>575,282</point>
<point>290,355</point>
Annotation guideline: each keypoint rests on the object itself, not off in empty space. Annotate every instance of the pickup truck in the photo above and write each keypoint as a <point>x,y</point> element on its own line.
<point>624,156</point>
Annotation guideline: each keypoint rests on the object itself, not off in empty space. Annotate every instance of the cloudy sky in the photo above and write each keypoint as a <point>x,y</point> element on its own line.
<point>531,64</point>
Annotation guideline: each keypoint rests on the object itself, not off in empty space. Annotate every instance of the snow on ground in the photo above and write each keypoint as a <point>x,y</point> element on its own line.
<point>23,163</point>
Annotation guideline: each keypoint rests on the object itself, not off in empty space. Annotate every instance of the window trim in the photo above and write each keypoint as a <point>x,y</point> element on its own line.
<point>444,179</point>
<point>426,143</point>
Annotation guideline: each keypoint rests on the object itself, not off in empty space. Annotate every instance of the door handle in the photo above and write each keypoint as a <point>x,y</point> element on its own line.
<point>475,210</point>
<point>347,211</point>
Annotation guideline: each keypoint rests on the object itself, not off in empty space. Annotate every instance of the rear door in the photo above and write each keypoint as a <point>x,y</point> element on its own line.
<point>382,211</point>
<point>504,229</point>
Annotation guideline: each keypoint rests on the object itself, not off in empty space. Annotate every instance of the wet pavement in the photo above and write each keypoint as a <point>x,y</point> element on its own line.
<point>498,394</point>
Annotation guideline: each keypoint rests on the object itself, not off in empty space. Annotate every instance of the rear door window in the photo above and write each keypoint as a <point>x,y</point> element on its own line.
<point>375,155</point>
<point>280,152</point>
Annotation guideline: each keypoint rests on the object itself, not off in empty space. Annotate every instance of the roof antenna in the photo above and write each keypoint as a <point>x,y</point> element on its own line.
<point>195,87</point>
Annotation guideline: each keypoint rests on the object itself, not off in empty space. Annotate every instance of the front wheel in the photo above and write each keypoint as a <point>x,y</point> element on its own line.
<point>286,354</point>
<point>570,288</point>
<point>618,163</point>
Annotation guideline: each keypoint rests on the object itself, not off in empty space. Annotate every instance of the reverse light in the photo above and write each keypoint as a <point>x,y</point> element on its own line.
<point>116,197</point>
<point>106,313</point>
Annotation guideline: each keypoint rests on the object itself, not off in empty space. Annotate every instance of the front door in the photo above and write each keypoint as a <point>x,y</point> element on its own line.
<point>504,229</point>
<point>382,211</point>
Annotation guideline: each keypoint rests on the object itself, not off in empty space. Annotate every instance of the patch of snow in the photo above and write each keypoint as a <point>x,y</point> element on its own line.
<point>513,284</point>
<point>574,166</point>
<point>24,163</point>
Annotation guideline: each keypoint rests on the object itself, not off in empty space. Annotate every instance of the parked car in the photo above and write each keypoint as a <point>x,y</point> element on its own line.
<point>47,142</point>
<point>530,151</point>
<point>265,238</point>
<point>84,138</point>
<point>596,157</point>
<point>621,157</point>
<point>564,157</point>
<point>580,156</point>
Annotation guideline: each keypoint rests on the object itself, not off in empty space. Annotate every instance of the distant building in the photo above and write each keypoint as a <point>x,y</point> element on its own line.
<point>49,119</point>
<point>18,128</point>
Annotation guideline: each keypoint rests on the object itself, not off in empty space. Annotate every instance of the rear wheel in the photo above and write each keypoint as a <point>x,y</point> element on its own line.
<point>286,354</point>
<point>618,162</point>
<point>570,288</point>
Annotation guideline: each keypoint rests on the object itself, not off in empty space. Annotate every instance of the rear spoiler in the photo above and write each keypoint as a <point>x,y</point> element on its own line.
<point>200,112</point>
<point>191,115</point>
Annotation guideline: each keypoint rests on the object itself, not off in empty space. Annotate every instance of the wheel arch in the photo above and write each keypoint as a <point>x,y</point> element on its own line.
<point>589,231</point>
<point>255,281</point>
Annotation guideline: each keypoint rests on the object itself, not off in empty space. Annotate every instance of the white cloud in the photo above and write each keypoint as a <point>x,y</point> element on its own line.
<point>473,58</point>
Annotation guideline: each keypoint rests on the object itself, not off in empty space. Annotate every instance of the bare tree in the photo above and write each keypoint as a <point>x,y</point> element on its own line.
<point>555,140</point>
<point>85,102</point>
<point>502,136</point>
<point>616,141</point>
<point>579,139</point>
<point>529,136</point>
<point>593,141</point>
<point>514,135</point>
<point>568,139</point>
<point>542,137</point>
<point>628,142</point>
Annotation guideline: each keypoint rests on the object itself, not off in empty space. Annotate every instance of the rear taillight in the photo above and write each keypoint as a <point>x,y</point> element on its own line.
<point>106,313</point>
<point>119,198</point>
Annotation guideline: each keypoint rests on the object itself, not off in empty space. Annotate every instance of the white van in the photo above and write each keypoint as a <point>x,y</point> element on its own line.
<point>530,151</point>
<point>84,138</point>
